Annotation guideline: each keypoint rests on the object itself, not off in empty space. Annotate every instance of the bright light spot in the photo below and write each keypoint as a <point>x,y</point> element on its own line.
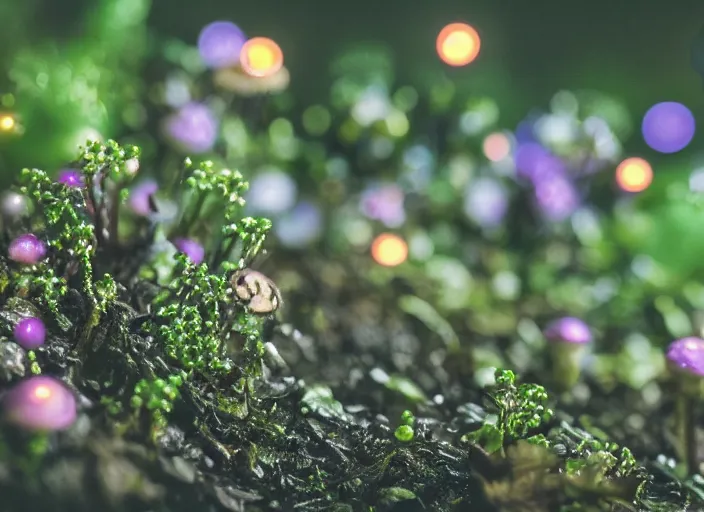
<point>42,392</point>
<point>261,56</point>
<point>458,44</point>
<point>389,250</point>
<point>634,174</point>
<point>7,123</point>
<point>496,147</point>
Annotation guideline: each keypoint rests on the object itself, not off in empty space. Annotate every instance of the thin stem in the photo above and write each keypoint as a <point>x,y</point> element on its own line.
<point>687,433</point>
<point>114,213</point>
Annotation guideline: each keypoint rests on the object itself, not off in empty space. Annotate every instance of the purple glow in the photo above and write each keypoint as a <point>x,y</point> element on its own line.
<point>220,43</point>
<point>27,249</point>
<point>568,330</point>
<point>30,333</point>
<point>40,403</point>
<point>301,226</point>
<point>194,127</point>
<point>668,127</point>
<point>525,133</point>
<point>72,178</point>
<point>139,197</point>
<point>192,249</point>
<point>687,354</point>
<point>534,162</point>
<point>556,198</point>
<point>486,202</point>
<point>385,204</point>
<point>271,192</point>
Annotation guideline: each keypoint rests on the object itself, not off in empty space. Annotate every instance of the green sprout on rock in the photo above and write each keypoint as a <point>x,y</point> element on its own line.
<point>404,432</point>
<point>520,410</point>
<point>157,395</point>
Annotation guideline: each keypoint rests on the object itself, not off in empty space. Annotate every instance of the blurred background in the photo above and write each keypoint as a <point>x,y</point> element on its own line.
<point>637,53</point>
<point>429,219</point>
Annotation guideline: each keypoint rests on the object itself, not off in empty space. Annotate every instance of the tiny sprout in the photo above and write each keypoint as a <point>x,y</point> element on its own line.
<point>27,249</point>
<point>30,333</point>
<point>407,418</point>
<point>404,433</point>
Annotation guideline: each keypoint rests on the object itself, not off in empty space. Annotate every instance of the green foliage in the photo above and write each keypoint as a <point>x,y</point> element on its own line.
<point>520,410</point>
<point>157,394</point>
<point>189,321</point>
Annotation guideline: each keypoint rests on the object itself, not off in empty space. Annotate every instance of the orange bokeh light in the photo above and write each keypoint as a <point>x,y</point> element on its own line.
<point>7,123</point>
<point>496,147</point>
<point>634,174</point>
<point>261,56</point>
<point>458,44</point>
<point>389,250</point>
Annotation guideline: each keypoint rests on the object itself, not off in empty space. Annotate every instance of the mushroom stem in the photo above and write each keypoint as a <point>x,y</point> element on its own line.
<point>566,362</point>
<point>686,432</point>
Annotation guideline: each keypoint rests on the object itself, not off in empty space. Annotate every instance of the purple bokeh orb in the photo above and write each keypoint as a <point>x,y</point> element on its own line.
<point>271,192</point>
<point>486,202</point>
<point>556,198</point>
<point>534,162</point>
<point>384,203</point>
<point>40,403</point>
<point>568,330</point>
<point>300,226</point>
<point>668,127</point>
<point>687,355</point>
<point>27,249</point>
<point>194,127</point>
<point>192,249</point>
<point>72,178</point>
<point>138,200</point>
<point>220,43</point>
<point>30,333</point>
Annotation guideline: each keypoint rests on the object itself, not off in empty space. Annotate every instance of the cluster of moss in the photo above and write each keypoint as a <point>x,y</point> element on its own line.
<point>176,364</point>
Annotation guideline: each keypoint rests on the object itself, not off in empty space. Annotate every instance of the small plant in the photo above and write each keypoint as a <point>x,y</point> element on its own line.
<point>520,410</point>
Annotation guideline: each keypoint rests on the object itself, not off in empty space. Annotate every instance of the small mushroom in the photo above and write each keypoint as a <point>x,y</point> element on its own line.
<point>27,249</point>
<point>30,333</point>
<point>40,403</point>
<point>568,338</point>
<point>685,361</point>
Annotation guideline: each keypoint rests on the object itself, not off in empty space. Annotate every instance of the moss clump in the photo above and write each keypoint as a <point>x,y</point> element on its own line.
<point>181,403</point>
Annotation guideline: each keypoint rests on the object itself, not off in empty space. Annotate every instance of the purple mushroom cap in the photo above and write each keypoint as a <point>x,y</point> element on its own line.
<point>40,403</point>
<point>71,178</point>
<point>27,249</point>
<point>687,355</point>
<point>139,197</point>
<point>30,333</point>
<point>192,249</point>
<point>568,330</point>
